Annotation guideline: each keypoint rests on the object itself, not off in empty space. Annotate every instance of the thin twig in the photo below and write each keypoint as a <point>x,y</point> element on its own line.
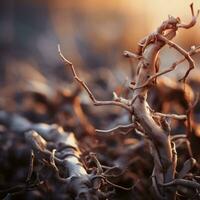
<point>181,51</point>
<point>129,54</point>
<point>182,182</point>
<point>90,94</point>
<point>193,20</point>
<point>173,116</point>
<point>193,51</point>
<point>120,129</point>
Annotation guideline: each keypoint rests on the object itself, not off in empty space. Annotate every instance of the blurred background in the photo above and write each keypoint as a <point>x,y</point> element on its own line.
<point>92,33</point>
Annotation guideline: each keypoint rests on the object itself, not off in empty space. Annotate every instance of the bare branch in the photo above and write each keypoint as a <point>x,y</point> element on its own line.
<point>178,137</point>
<point>120,129</point>
<point>90,94</point>
<point>114,185</point>
<point>129,54</point>
<point>182,182</point>
<point>193,51</point>
<point>182,51</point>
<point>165,158</point>
<point>193,20</point>
<point>173,116</point>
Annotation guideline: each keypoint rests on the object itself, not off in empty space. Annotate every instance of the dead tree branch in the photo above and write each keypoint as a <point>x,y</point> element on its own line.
<point>78,181</point>
<point>90,94</point>
<point>163,148</point>
<point>164,157</point>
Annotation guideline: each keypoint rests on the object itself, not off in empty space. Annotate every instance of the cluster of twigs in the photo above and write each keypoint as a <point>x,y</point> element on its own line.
<point>163,147</point>
<point>146,155</point>
<point>58,153</point>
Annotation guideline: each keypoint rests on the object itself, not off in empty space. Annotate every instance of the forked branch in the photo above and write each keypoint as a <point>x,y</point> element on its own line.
<point>90,94</point>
